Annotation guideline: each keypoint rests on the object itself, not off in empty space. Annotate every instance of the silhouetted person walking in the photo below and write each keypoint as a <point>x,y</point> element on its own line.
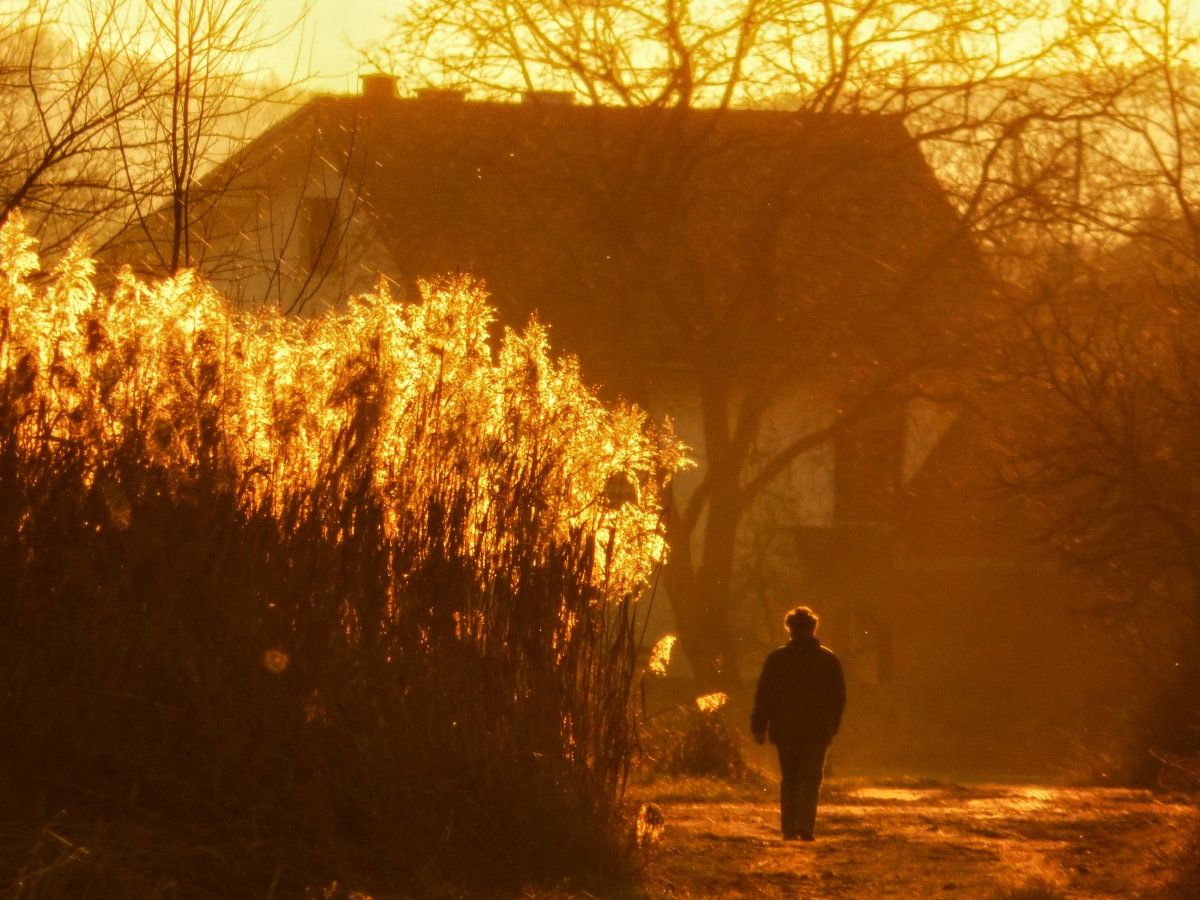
<point>799,702</point>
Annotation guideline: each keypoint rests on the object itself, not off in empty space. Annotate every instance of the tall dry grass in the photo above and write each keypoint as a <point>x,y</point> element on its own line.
<point>288,604</point>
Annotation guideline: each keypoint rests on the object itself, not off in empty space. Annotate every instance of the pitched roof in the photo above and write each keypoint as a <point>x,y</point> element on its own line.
<point>635,230</point>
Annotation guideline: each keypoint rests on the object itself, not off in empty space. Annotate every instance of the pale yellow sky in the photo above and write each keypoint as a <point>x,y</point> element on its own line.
<point>318,51</point>
<point>317,48</point>
<point>321,47</point>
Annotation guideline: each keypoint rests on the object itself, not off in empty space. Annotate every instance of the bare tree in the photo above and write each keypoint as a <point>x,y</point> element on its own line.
<point>1105,387</point>
<point>750,307</point>
<point>113,108</point>
<point>205,100</point>
<point>65,86</point>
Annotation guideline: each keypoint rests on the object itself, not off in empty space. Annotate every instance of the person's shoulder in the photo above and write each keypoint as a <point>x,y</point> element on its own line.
<point>827,653</point>
<point>777,654</point>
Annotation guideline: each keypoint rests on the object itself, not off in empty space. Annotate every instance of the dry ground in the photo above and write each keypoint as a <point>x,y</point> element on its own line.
<point>920,841</point>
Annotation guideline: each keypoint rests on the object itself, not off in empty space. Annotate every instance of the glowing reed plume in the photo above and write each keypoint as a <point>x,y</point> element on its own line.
<point>660,656</point>
<point>711,703</point>
<point>392,398</point>
<point>386,524</point>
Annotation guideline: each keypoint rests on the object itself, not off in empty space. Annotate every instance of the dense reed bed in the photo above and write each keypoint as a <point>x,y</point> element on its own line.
<point>324,605</point>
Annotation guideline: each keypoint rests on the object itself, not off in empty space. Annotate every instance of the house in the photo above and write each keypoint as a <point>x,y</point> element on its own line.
<point>718,266</point>
<point>577,213</point>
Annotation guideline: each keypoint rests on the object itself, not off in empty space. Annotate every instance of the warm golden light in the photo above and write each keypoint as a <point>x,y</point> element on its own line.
<point>273,408</point>
<point>711,703</point>
<point>660,656</point>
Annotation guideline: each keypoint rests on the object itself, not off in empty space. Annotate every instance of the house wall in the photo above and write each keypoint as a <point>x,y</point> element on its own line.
<point>282,223</point>
<point>303,245</point>
<point>967,650</point>
<point>767,577</point>
<point>770,575</point>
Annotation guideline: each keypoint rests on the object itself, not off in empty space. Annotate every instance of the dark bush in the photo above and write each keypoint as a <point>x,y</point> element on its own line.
<point>693,741</point>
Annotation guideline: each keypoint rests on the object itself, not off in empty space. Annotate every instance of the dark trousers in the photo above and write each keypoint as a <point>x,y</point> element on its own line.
<point>800,768</point>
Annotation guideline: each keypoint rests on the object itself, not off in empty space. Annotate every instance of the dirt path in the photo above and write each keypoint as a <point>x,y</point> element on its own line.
<point>983,841</point>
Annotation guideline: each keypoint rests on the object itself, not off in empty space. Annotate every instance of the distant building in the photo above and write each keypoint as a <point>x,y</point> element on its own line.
<point>629,230</point>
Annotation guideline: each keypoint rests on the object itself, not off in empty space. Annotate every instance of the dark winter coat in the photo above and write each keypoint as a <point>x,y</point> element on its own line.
<point>801,694</point>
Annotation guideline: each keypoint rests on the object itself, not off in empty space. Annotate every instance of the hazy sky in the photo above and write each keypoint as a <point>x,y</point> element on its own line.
<point>318,50</point>
<point>320,47</point>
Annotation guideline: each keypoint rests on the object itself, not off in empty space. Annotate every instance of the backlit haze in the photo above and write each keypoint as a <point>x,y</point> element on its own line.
<point>320,52</point>
<point>316,38</point>
<point>320,41</point>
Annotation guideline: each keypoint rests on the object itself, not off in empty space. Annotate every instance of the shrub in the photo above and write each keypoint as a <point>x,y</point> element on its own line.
<point>293,603</point>
<point>694,741</point>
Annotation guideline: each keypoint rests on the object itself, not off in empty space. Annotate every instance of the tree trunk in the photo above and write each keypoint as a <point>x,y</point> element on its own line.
<point>1170,724</point>
<point>701,591</point>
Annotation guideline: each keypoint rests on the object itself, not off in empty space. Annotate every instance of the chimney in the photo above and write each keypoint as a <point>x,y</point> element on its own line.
<point>548,98</point>
<point>442,95</point>
<point>378,86</point>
